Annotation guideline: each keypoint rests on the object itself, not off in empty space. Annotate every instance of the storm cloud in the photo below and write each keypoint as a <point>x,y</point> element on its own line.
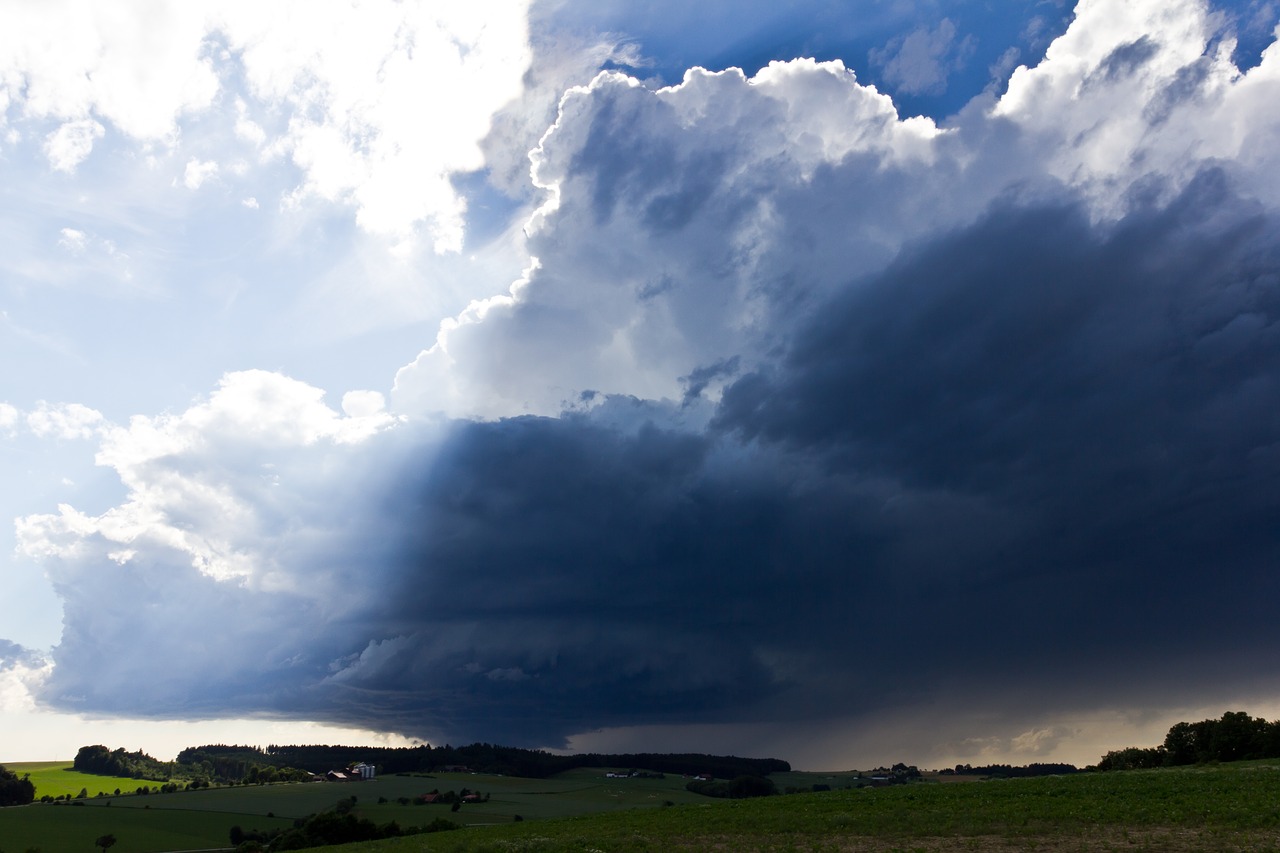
<point>1032,454</point>
<point>802,411</point>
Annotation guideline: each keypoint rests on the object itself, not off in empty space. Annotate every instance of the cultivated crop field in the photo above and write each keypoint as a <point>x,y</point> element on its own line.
<point>1227,807</point>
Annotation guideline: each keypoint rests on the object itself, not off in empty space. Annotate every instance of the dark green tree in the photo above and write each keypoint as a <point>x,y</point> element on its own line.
<point>1235,737</point>
<point>15,791</point>
<point>105,842</point>
<point>1238,736</point>
<point>751,786</point>
<point>1133,758</point>
<point>1180,745</point>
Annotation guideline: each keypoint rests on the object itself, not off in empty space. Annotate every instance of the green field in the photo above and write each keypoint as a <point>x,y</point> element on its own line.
<point>1228,807</point>
<point>202,819</point>
<point>56,778</point>
<point>1232,807</point>
<point>54,829</point>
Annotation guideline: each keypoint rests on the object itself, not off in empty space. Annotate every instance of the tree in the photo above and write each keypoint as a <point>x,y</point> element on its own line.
<point>105,841</point>
<point>1235,737</point>
<point>1133,758</point>
<point>751,786</point>
<point>15,791</point>
<point>1180,744</point>
<point>1238,736</point>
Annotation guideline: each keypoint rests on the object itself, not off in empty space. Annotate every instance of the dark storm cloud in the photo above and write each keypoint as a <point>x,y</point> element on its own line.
<point>701,377</point>
<point>1034,455</point>
<point>861,444</point>
<point>1032,461</point>
<point>1106,394</point>
<point>566,576</point>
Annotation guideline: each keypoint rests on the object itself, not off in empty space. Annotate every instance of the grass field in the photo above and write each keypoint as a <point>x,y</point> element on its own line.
<point>190,820</point>
<point>63,829</point>
<point>1228,807</point>
<point>56,778</point>
<point>1233,807</point>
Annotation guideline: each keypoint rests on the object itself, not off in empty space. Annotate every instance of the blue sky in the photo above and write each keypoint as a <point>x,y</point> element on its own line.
<point>902,375</point>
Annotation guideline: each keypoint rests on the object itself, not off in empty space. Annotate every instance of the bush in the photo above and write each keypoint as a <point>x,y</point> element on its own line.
<point>741,788</point>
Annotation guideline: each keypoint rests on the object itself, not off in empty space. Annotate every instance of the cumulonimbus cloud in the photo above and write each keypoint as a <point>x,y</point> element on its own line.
<point>802,406</point>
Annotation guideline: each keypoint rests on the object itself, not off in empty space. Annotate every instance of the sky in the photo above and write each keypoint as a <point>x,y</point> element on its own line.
<point>841,382</point>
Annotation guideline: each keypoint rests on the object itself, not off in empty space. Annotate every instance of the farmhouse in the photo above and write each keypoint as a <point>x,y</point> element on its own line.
<point>356,773</point>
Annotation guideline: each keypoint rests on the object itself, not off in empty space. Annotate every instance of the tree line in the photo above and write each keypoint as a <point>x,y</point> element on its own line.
<point>234,763</point>
<point>1235,737</point>
<point>238,764</point>
<point>1006,771</point>
<point>99,760</point>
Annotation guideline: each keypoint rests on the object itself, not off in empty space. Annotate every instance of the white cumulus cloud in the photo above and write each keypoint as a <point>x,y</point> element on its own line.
<point>9,416</point>
<point>73,240</point>
<point>248,505</point>
<point>65,421</point>
<point>682,226</point>
<point>387,100</point>
<point>71,143</point>
<point>197,172</point>
<point>378,104</point>
<point>137,67</point>
<point>20,679</point>
<point>199,480</point>
<point>696,196</point>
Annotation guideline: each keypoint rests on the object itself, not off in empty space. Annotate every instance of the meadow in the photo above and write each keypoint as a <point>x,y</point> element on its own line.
<point>1224,807</point>
<point>1228,807</point>
<point>202,819</point>
<point>56,778</point>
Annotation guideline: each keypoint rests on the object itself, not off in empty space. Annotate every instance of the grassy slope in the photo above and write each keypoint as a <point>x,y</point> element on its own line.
<point>1215,808</point>
<point>56,778</point>
<point>53,829</point>
<point>1210,808</point>
<point>205,817</point>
